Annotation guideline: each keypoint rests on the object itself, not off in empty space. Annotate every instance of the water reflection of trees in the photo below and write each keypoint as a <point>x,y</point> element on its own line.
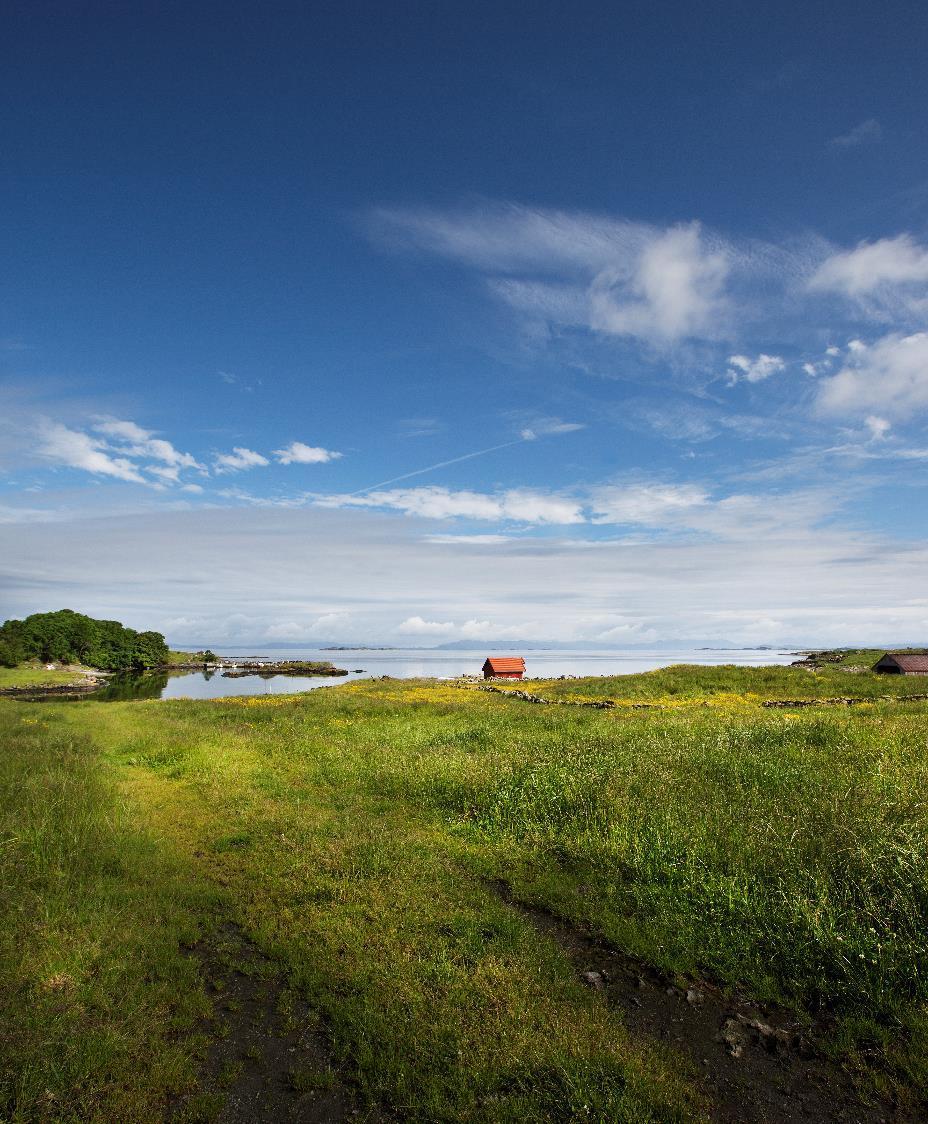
<point>122,688</point>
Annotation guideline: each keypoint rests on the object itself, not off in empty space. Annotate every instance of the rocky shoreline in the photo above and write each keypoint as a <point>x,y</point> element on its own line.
<point>84,686</point>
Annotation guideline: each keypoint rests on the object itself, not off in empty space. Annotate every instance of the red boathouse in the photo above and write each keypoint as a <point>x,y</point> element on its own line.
<point>504,667</point>
<point>903,663</point>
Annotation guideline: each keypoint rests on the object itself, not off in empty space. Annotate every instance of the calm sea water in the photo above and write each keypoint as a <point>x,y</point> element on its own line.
<point>411,664</point>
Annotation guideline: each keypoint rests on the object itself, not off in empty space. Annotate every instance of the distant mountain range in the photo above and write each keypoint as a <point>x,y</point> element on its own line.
<point>498,645</point>
<point>575,646</point>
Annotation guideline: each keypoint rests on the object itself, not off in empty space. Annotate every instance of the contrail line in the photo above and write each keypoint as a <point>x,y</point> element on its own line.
<point>441,464</point>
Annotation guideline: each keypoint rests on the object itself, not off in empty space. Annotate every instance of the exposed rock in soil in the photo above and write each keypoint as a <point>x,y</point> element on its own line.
<point>755,1066</point>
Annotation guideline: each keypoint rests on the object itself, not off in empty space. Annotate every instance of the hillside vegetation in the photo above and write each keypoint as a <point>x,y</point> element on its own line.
<point>384,846</point>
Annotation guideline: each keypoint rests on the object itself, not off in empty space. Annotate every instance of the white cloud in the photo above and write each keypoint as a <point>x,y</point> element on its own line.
<point>165,473</point>
<point>137,442</point>
<point>74,449</point>
<point>675,290</point>
<point>680,509</point>
<point>468,540</point>
<point>115,449</point>
<point>521,505</point>
<point>420,427</point>
<point>867,132</point>
<point>824,585</point>
<point>889,378</point>
<point>743,368</point>
<point>871,265</point>
<point>477,630</point>
<point>416,626</point>
<point>322,628</point>
<point>648,504</point>
<point>238,460</point>
<point>298,453</point>
<point>629,631</point>
<point>879,427</point>
<point>659,285</point>
<point>545,427</point>
<point>512,238</point>
<point>527,506</point>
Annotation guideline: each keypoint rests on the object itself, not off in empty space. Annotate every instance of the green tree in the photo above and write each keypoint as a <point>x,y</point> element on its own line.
<point>68,637</point>
<point>150,650</point>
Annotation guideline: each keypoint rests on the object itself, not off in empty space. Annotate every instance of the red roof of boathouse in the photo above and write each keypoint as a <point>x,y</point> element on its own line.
<point>508,667</point>
<point>906,663</point>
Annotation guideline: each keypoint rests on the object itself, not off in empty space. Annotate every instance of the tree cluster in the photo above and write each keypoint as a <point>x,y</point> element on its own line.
<point>69,637</point>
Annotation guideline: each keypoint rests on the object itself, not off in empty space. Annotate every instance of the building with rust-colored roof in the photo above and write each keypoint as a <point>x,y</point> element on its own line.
<point>504,667</point>
<point>903,663</point>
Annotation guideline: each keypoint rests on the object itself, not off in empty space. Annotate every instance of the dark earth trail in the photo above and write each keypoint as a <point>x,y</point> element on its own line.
<point>755,1066</point>
<point>267,1061</point>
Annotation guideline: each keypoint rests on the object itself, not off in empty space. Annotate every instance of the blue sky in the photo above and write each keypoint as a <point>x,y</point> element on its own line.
<point>477,321</point>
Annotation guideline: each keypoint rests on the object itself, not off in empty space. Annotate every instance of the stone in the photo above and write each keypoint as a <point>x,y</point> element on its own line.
<point>734,1036</point>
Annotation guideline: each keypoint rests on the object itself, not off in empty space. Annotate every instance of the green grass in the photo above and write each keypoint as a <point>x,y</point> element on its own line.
<point>35,675</point>
<point>688,682</point>
<point>355,834</point>
<point>94,913</point>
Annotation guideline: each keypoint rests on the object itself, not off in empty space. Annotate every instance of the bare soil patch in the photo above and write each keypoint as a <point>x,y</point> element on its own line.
<point>267,1059</point>
<point>756,1066</point>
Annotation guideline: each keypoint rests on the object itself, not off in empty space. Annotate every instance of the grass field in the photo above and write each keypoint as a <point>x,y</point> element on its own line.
<point>35,675</point>
<point>373,843</point>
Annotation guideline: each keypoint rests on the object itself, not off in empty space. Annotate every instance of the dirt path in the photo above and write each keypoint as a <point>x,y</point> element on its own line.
<point>756,1067</point>
<point>267,1061</point>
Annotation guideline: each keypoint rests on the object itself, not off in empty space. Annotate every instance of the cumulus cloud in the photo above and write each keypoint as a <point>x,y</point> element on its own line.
<point>74,449</point>
<point>134,441</point>
<point>239,460</point>
<point>115,448</point>
<point>322,627</point>
<point>675,290</point>
<point>867,132</point>
<point>888,378</point>
<point>416,626</point>
<point>298,453</point>
<point>871,265</point>
<point>743,368</point>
